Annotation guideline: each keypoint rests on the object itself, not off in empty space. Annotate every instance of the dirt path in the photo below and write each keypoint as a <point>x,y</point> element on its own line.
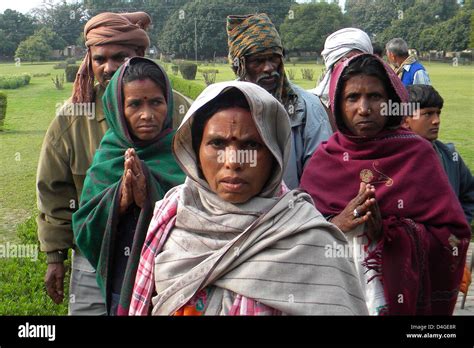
<point>9,220</point>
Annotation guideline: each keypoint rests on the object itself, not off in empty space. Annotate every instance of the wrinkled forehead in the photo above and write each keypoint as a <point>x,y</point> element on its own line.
<point>111,50</point>
<point>362,80</point>
<point>232,121</point>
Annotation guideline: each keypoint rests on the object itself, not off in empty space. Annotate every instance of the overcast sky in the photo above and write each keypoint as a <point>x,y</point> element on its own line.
<point>25,6</point>
<point>20,5</point>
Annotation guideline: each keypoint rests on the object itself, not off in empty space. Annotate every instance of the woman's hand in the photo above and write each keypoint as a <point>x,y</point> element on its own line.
<point>133,187</point>
<point>361,209</point>
<point>373,228</point>
<point>138,179</point>
<point>126,194</point>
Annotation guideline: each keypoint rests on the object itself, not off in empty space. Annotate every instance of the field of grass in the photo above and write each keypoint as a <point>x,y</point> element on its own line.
<point>31,109</point>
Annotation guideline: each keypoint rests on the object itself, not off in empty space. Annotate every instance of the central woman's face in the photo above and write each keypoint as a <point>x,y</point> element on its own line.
<point>233,157</point>
<point>145,108</point>
<point>362,100</point>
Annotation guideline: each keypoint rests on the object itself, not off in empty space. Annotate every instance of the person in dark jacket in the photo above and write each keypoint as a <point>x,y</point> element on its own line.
<point>426,122</point>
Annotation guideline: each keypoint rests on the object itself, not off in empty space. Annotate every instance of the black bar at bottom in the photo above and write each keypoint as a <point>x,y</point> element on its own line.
<point>136,331</point>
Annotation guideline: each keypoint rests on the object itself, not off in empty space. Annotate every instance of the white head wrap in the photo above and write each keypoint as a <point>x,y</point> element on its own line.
<point>337,45</point>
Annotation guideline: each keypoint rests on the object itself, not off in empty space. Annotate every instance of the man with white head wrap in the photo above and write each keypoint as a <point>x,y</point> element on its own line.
<point>343,43</point>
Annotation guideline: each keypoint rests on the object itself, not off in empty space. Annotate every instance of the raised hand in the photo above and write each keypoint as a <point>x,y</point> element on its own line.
<point>133,188</point>
<point>138,180</point>
<point>361,209</point>
<point>374,223</point>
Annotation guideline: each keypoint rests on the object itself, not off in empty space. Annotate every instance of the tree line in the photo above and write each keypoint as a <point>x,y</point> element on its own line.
<point>182,28</point>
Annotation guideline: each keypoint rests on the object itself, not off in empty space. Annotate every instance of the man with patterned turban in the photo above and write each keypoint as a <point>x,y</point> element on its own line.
<point>256,55</point>
<point>69,146</point>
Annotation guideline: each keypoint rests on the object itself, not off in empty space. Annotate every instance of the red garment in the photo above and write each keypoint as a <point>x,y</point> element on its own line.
<point>421,273</point>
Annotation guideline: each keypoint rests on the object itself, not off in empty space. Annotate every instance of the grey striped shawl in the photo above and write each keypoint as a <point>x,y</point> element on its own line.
<point>280,261</point>
<point>268,249</point>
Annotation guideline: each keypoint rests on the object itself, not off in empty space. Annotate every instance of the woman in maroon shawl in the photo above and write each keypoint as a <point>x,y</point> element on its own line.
<point>384,187</point>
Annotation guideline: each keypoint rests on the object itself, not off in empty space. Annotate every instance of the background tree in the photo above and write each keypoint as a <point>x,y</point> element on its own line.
<point>159,10</point>
<point>6,46</point>
<point>429,16</point>
<point>51,38</point>
<point>471,44</point>
<point>33,49</point>
<point>374,16</point>
<point>308,26</point>
<point>177,36</point>
<point>14,28</point>
<point>450,35</point>
<point>66,20</point>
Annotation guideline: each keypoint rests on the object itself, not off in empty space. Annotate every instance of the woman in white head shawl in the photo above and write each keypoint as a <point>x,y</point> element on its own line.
<point>338,45</point>
<point>211,250</point>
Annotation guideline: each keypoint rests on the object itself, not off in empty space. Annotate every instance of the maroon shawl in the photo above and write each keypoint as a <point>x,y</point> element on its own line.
<point>420,270</point>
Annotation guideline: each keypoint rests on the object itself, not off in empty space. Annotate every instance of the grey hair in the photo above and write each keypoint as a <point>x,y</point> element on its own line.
<point>398,47</point>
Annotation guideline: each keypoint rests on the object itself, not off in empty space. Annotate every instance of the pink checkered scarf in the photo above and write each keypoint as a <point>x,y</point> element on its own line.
<point>246,306</point>
<point>162,223</point>
<point>164,218</point>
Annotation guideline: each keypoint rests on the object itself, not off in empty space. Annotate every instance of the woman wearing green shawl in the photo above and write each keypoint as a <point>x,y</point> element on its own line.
<point>132,169</point>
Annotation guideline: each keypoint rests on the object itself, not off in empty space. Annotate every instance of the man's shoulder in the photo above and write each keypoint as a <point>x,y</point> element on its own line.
<point>60,122</point>
<point>178,96</point>
<point>446,147</point>
<point>310,104</point>
<point>417,65</point>
<point>70,118</point>
<point>300,92</point>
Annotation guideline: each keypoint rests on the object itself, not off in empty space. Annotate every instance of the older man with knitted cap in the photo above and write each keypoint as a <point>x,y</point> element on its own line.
<point>69,146</point>
<point>256,55</point>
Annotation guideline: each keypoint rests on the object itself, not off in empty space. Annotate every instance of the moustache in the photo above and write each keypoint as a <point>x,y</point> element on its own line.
<point>274,74</point>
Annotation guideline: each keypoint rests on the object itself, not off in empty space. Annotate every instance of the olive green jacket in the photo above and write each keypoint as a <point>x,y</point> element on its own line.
<point>67,152</point>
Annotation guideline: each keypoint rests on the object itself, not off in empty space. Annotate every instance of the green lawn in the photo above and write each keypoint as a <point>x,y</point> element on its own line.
<point>31,109</point>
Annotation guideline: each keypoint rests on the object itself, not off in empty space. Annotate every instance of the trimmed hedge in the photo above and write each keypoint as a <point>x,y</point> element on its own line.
<point>188,70</point>
<point>60,65</point>
<point>71,72</point>
<point>3,108</point>
<point>14,81</point>
<point>41,74</point>
<point>209,75</point>
<point>175,69</point>
<point>188,88</point>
